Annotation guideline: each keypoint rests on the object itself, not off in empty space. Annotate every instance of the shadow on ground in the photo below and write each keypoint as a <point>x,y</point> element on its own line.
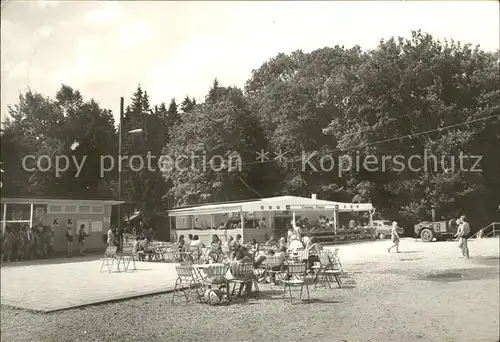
<point>410,259</point>
<point>487,261</point>
<point>454,275</point>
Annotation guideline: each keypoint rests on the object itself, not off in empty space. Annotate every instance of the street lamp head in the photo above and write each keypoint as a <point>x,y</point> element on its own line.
<point>135,131</point>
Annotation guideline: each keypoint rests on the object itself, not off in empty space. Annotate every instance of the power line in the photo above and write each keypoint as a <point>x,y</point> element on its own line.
<point>299,158</point>
<point>295,159</point>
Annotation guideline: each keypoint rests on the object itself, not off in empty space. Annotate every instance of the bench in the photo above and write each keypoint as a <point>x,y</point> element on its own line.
<point>109,258</point>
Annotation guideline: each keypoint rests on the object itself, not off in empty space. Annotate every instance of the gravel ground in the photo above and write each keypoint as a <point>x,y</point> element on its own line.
<point>425,293</point>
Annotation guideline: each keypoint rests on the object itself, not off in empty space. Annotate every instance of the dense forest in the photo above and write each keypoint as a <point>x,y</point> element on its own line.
<point>405,97</point>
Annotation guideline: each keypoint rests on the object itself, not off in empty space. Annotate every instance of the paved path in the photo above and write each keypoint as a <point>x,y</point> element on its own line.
<point>52,287</point>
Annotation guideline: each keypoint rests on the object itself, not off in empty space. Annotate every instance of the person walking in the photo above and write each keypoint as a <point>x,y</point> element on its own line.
<point>463,235</point>
<point>394,237</point>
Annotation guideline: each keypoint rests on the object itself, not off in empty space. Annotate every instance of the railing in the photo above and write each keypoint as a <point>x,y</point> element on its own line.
<point>490,230</point>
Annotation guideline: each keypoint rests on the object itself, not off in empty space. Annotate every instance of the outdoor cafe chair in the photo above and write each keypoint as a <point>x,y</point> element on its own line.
<point>125,257</point>
<point>187,281</point>
<point>334,258</point>
<point>170,253</point>
<point>244,276</point>
<point>192,254</point>
<point>204,257</point>
<point>327,271</point>
<point>109,258</point>
<point>296,278</point>
<point>216,275</point>
<point>273,268</point>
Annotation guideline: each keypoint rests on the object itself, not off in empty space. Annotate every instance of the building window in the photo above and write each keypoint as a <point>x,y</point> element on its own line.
<point>55,209</point>
<point>18,212</point>
<point>84,209</point>
<point>70,209</point>
<point>97,209</point>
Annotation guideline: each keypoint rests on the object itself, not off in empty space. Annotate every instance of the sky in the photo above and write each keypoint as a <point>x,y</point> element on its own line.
<point>105,49</point>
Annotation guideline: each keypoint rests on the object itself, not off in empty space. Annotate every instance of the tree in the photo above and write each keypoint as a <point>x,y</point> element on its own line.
<point>142,182</point>
<point>225,131</point>
<point>40,127</point>
<point>92,129</point>
<point>188,105</point>
<point>33,130</point>
<point>408,86</point>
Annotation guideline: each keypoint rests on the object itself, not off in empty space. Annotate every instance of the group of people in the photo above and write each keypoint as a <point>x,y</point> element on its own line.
<point>81,235</point>
<point>235,252</point>
<point>27,243</point>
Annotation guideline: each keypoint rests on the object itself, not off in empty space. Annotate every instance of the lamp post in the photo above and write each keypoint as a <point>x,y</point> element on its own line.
<point>134,131</point>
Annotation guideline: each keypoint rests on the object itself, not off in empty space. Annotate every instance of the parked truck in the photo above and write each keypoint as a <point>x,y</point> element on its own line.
<point>441,230</point>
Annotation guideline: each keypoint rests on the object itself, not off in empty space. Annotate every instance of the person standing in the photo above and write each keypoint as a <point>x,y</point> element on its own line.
<point>31,243</point>
<point>394,237</point>
<point>52,240</point>
<point>463,235</point>
<point>111,237</point>
<point>262,223</point>
<point>69,238</point>
<point>81,238</point>
<point>8,238</point>
<point>297,230</point>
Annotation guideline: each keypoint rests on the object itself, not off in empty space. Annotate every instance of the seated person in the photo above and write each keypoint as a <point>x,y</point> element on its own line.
<point>295,245</point>
<point>197,242</point>
<point>234,245</point>
<point>242,257</point>
<point>281,243</point>
<point>196,246</point>
<point>314,249</point>
<point>143,247</point>
<point>216,248</point>
<point>271,242</point>
<point>136,245</point>
<point>281,255</point>
<point>305,241</point>
<point>181,242</point>
<point>254,247</point>
<point>352,224</point>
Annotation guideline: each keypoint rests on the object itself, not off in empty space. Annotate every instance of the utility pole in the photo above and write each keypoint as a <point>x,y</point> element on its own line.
<point>120,170</point>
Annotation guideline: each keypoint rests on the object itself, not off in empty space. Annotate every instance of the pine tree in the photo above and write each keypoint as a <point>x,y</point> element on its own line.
<point>173,116</point>
<point>188,105</point>
<point>214,93</point>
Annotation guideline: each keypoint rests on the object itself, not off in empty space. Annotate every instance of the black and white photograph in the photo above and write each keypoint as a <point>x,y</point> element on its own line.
<point>250,171</point>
